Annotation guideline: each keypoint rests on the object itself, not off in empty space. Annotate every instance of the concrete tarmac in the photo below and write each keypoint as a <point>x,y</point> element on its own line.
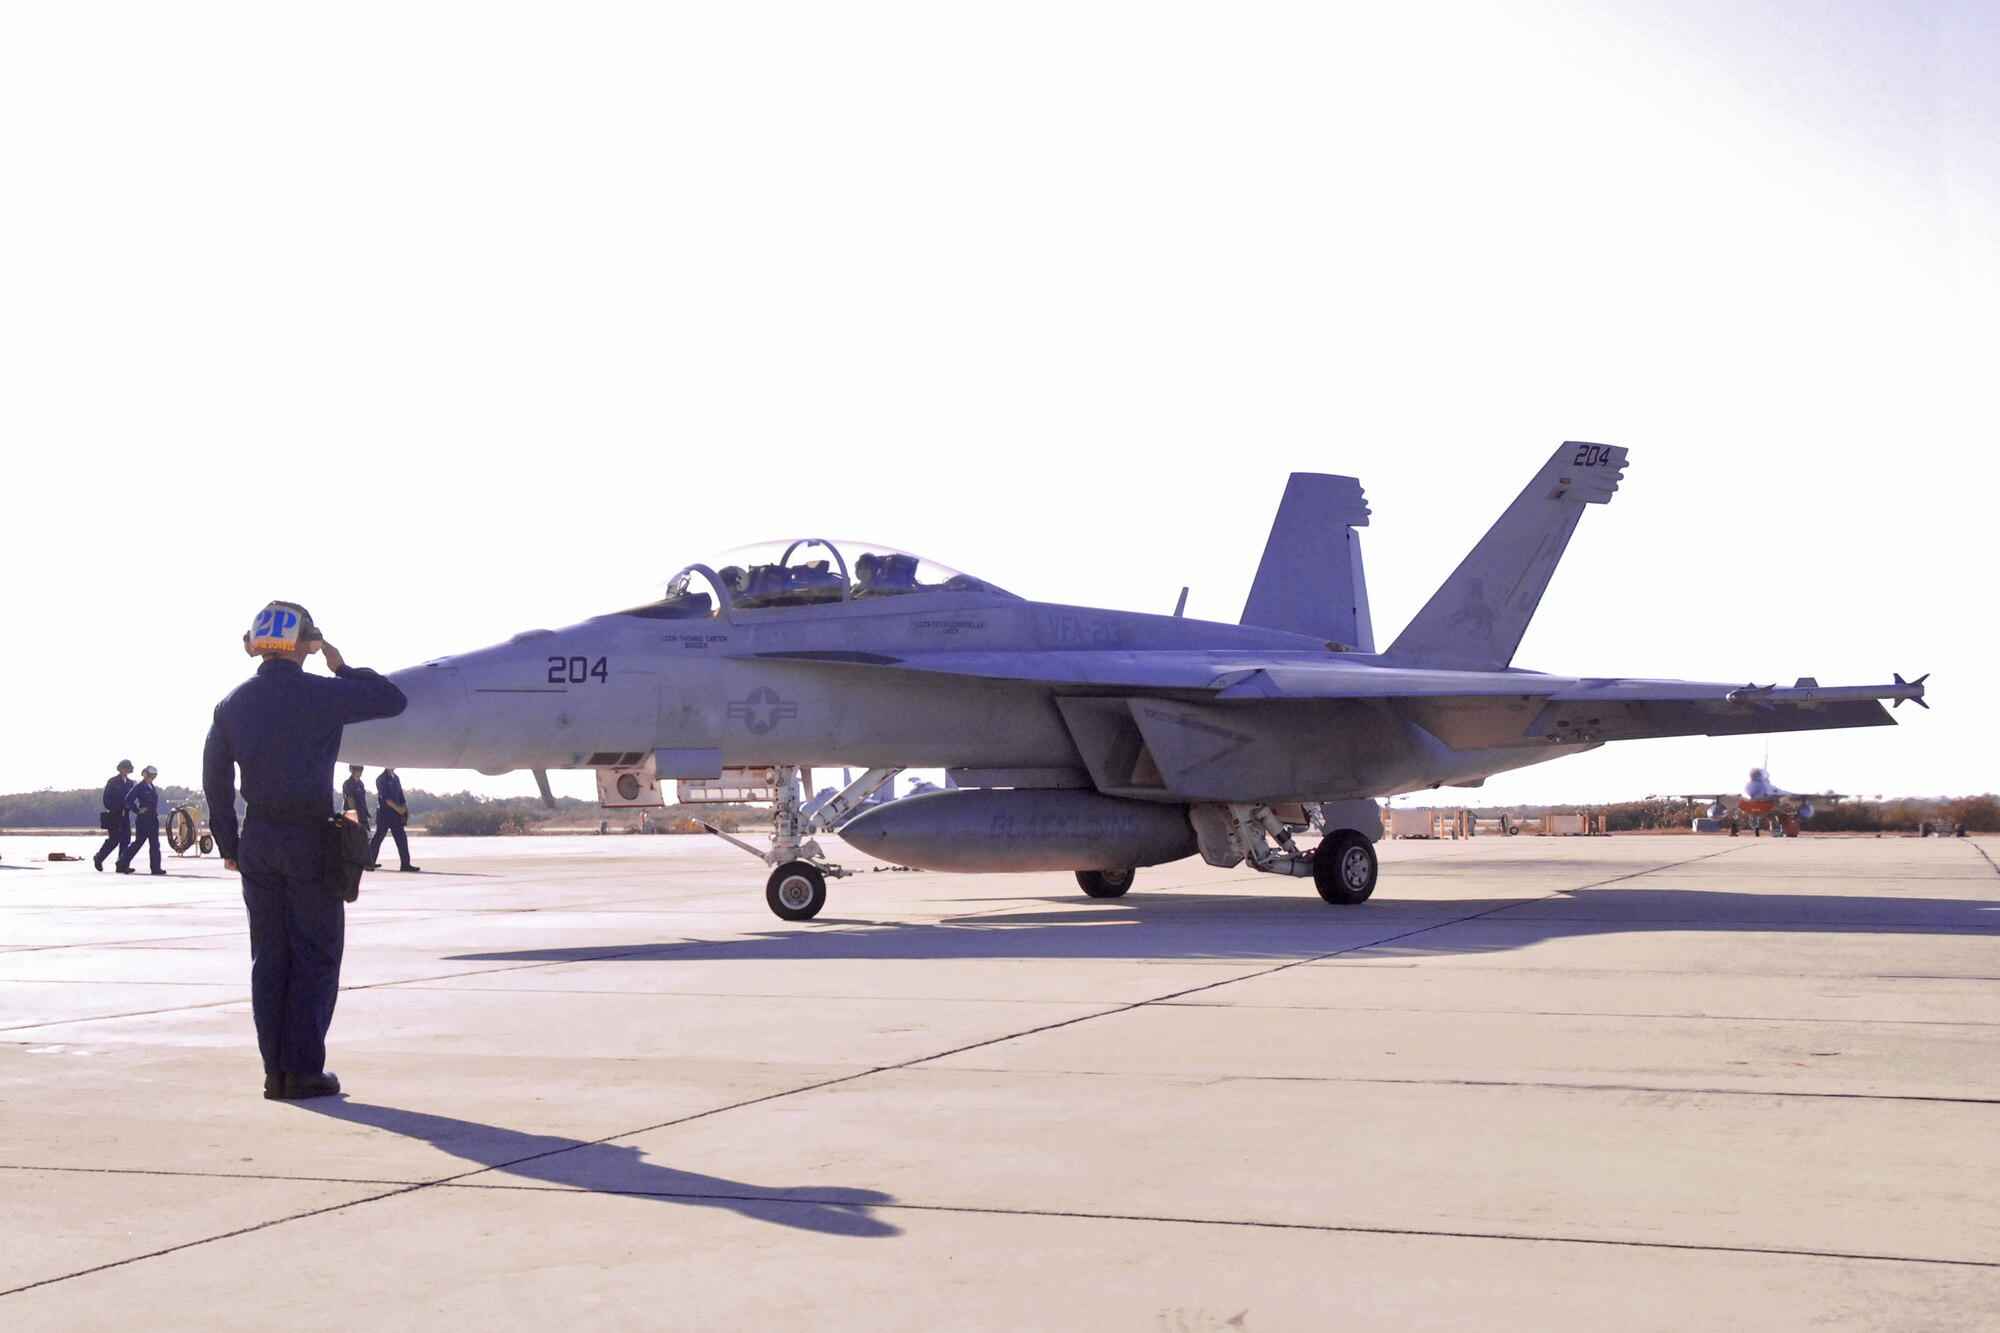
<point>1632,1083</point>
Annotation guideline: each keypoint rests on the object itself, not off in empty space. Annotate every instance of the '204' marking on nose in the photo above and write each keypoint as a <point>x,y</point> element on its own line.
<point>578,670</point>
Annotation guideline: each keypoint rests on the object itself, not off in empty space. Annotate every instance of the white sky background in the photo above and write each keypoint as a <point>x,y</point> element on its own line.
<point>453,320</point>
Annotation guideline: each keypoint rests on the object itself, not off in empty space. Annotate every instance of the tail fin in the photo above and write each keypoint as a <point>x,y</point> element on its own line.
<point>1310,580</point>
<point>1476,619</point>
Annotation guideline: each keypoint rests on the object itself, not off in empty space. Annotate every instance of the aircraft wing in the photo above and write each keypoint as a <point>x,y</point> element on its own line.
<point>1461,708</point>
<point>1222,675</point>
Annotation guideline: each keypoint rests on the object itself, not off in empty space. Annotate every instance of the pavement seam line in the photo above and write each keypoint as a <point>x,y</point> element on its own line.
<point>459,1182</point>
<point>1326,1227</point>
<point>1544,1085</point>
<point>205,1240</point>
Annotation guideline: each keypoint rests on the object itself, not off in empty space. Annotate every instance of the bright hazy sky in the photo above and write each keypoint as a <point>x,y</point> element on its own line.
<point>453,320</point>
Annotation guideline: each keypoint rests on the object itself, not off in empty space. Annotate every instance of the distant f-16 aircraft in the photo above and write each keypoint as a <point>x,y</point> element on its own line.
<point>1095,741</point>
<point>1763,800</point>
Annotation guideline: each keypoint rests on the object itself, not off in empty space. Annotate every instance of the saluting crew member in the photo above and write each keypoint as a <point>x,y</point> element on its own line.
<point>118,822</point>
<point>281,731</point>
<point>144,803</point>
<point>354,793</point>
<point>391,814</point>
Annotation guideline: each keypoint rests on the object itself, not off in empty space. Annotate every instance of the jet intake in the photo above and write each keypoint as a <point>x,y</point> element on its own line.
<point>1004,830</point>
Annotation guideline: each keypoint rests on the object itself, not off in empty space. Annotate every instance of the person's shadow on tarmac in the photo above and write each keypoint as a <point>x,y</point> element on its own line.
<point>609,1169</point>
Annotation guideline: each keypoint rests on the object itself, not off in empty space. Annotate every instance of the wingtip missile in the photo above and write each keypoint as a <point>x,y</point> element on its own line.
<point>1915,688</point>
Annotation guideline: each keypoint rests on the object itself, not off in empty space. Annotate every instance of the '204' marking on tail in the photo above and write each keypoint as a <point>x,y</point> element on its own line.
<point>1592,455</point>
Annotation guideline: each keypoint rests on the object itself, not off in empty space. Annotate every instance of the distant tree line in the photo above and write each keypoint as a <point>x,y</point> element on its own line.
<point>1979,814</point>
<point>448,814</point>
<point>71,809</point>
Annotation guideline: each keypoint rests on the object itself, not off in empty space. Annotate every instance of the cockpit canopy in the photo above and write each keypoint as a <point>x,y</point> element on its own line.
<point>805,571</point>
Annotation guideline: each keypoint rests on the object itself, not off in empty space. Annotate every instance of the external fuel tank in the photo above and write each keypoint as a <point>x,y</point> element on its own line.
<point>1022,829</point>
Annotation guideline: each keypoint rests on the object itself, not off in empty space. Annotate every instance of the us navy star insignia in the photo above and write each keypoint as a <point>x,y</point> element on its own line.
<point>762,710</point>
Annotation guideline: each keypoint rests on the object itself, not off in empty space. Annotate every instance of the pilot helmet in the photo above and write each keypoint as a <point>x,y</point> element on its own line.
<point>149,772</point>
<point>124,765</point>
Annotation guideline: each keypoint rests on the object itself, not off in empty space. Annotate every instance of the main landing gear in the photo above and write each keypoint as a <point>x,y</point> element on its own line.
<point>796,889</point>
<point>1105,883</point>
<point>1343,867</point>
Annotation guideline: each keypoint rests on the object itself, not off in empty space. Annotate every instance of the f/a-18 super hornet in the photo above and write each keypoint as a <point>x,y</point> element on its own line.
<point>1078,739</point>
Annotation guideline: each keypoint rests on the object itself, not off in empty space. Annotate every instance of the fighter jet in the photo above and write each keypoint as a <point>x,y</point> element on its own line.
<point>1763,800</point>
<point>1080,739</point>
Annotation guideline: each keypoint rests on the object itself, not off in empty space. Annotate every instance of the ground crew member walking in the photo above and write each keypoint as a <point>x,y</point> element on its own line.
<point>281,731</point>
<point>117,828</point>
<point>354,795</point>
<point>144,803</point>
<point>391,814</point>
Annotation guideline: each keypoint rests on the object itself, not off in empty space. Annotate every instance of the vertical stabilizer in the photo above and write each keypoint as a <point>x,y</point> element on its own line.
<point>1476,619</point>
<point>1310,580</point>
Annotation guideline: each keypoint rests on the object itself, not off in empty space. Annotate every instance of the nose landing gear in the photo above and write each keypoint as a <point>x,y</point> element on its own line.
<point>796,890</point>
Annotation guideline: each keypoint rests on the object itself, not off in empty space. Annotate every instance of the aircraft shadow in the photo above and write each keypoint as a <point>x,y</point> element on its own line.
<point>1197,927</point>
<point>604,1168</point>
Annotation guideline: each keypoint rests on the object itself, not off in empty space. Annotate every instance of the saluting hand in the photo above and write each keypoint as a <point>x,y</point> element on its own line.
<point>334,661</point>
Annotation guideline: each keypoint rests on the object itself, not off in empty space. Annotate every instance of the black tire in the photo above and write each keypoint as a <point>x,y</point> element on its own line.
<point>1105,883</point>
<point>180,829</point>
<point>207,843</point>
<point>796,891</point>
<point>1344,868</point>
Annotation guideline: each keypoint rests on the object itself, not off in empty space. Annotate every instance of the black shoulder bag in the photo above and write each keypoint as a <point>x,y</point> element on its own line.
<point>346,856</point>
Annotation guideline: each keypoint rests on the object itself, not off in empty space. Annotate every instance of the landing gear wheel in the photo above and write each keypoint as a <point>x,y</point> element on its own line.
<point>180,830</point>
<point>1344,868</point>
<point>1106,883</point>
<point>796,890</point>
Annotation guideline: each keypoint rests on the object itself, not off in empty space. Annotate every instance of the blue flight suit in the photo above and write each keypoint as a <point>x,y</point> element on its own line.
<point>281,729</point>
<point>354,793</point>
<point>388,821</point>
<point>116,793</point>
<point>144,803</point>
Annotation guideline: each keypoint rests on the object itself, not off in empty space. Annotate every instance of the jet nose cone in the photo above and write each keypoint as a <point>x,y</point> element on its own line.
<point>429,733</point>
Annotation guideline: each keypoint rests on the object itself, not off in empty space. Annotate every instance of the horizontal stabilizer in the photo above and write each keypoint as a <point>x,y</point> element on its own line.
<point>1310,580</point>
<point>1476,619</point>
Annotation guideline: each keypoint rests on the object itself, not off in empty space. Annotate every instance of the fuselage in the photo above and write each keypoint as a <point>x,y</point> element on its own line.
<point>840,683</point>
